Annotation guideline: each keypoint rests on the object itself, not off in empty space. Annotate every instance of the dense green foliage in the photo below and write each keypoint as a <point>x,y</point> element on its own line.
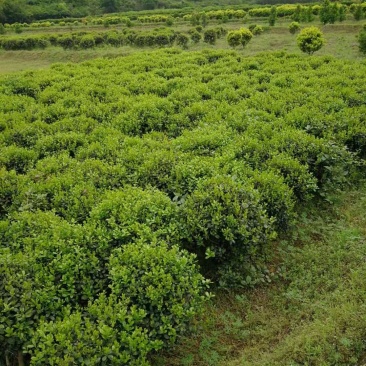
<point>314,311</point>
<point>112,171</point>
<point>328,13</point>
<point>310,40</point>
<point>24,10</point>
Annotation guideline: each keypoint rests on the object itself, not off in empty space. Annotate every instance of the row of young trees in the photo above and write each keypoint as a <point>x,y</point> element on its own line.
<point>309,40</point>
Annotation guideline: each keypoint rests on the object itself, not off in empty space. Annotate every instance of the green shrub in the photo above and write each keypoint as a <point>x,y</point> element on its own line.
<point>258,29</point>
<point>87,41</point>
<point>223,218</point>
<point>66,41</point>
<point>310,40</point>
<point>17,158</point>
<point>358,12</point>
<point>362,41</point>
<point>130,214</point>
<point>44,268</point>
<point>18,29</point>
<point>169,22</point>
<point>113,39</point>
<point>234,38</point>
<point>251,27</point>
<point>182,40</point>
<point>294,27</point>
<point>109,332</point>
<point>210,36</point>
<point>156,291</point>
<point>195,37</point>
<point>220,31</point>
<point>164,282</point>
<point>246,36</point>
<point>242,36</point>
<point>10,187</point>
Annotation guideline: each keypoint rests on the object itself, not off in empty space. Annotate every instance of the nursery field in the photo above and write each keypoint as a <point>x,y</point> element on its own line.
<point>341,42</point>
<point>38,44</point>
<point>132,187</point>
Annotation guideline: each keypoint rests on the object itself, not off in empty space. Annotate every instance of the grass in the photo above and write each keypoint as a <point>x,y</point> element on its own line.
<point>314,314</point>
<point>341,42</point>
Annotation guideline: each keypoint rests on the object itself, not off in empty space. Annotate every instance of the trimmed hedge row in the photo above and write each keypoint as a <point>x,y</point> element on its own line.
<point>84,40</point>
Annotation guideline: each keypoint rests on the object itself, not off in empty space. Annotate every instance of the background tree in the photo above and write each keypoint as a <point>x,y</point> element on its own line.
<point>358,12</point>
<point>310,40</point>
<point>362,40</point>
<point>12,11</point>
<point>328,12</point>
<point>309,16</point>
<point>296,16</point>
<point>272,16</point>
<point>110,6</point>
<point>342,13</point>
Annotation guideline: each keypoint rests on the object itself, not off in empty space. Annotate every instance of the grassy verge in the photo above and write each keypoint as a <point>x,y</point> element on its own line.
<point>315,314</point>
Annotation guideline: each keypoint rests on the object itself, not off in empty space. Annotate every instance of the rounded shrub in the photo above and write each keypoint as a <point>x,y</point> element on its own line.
<point>155,292</point>
<point>246,36</point>
<point>294,27</point>
<point>257,30</point>
<point>87,41</point>
<point>234,38</point>
<point>239,37</point>
<point>113,39</point>
<point>251,27</point>
<point>44,268</point>
<point>66,41</point>
<point>223,218</point>
<point>210,36</point>
<point>195,37</point>
<point>182,40</point>
<point>130,214</point>
<point>310,40</point>
<point>17,158</point>
<point>164,282</point>
<point>108,332</point>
